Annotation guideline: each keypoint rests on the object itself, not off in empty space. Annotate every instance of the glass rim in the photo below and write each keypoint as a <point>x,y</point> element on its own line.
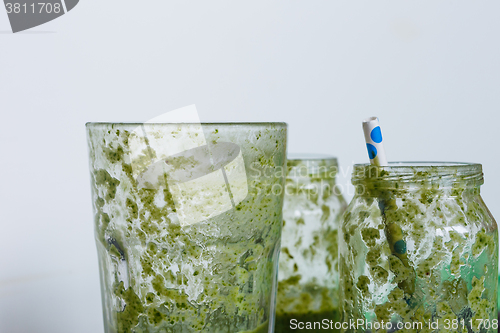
<point>443,173</point>
<point>423,165</point>
<point>309,165</point>
<point>310,157</point>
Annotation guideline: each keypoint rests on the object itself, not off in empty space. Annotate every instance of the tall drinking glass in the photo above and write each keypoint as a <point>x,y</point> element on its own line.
<point>187,224</point>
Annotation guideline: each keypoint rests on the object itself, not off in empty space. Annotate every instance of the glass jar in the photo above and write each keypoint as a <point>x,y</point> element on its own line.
<point>187,224</point>
<point>308,267</point>
<point>419,250</point>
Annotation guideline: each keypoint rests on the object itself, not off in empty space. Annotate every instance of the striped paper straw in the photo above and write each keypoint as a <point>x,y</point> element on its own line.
<point>374,141</point>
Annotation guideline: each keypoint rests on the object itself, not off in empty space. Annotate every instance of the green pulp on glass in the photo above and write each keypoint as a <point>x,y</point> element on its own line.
<point>419,247</point>
<point>158,275</point>
<point>308,267</point>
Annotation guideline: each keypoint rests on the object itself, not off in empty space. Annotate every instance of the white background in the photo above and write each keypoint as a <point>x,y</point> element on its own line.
<point>430,70</point>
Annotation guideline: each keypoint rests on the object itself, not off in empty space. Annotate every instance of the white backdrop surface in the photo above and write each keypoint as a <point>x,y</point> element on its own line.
<point>429,70</point>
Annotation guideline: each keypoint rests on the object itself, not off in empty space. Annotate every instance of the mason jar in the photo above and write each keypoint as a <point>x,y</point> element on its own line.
<point>308,267</point>
<point>187,224</point>
<point>418,250</point>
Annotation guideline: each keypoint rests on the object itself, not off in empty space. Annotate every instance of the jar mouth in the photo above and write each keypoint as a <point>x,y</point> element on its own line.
<point>443,174</point>
<point>311,166</point>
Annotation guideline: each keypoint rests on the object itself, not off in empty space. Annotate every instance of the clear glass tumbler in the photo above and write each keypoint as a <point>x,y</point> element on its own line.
<point>419,250</point>
<point>308,267</point>
<point>188,222</point>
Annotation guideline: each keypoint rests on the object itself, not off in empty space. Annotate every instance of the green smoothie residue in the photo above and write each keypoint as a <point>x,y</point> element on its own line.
<point>159,276</point>
<point>424,249</point>
<point>308,269</point>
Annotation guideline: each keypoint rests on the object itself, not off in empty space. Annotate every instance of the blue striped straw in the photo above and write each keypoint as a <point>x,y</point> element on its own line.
<point>374,141</point>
